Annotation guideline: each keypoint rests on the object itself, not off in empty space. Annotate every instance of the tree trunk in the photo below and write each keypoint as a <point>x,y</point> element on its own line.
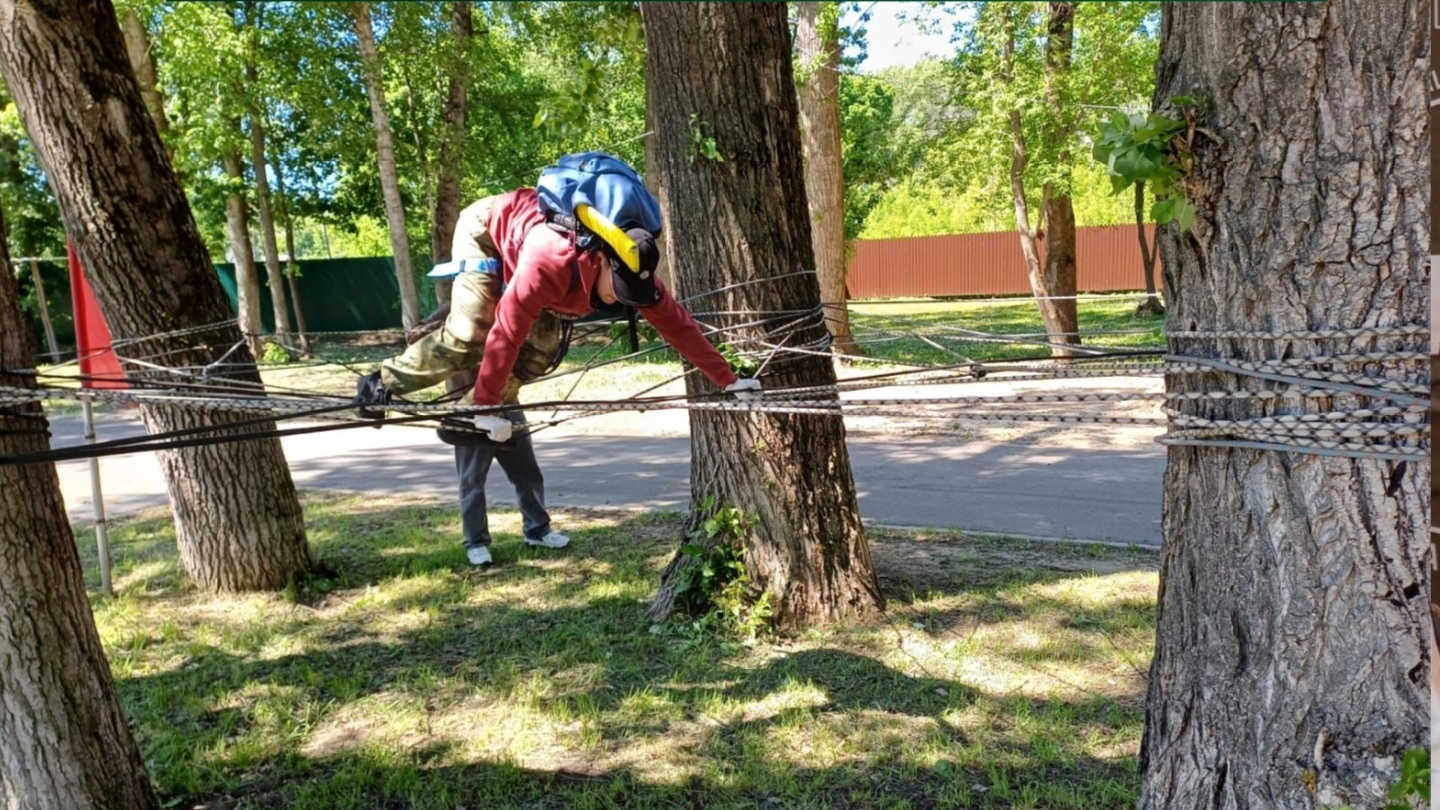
<point>452,143</point>
<point>64,743</point>
<point>657,188</point>
<point>137,48</point>
<point>273,271</point>
<point>1052,311</point>
<point>743,219</point>
<point>1059,212</point>
<point>292,267</point>
<point>1151,304</point>
<point>247,280</point>
<point>1290,668</point>
<point>274,274</point>
<point>237,516</point>
<point>389,179</point>
<point>817,47</point>
<point>43,307</point>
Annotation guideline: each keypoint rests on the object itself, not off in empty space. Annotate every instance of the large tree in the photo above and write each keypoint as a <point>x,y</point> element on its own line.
<point>64,743</point>
<point>720,83</point>
<point>1290,668</point>
<point>237,515</point>
<point>385,160</point>
<point>817,56</point>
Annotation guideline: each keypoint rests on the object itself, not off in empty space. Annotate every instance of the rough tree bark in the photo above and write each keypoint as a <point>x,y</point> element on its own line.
<point>452,142</point>
<point>273,271</point>
<point>385,155</point>
<point>247,279</point>
<point>817,49</point>
<point>743,219</point>
<point>1061,316</point>
<point>64,743</point>
<point>1290,669</point>
<point>652,182</point>
<point>237,516</point>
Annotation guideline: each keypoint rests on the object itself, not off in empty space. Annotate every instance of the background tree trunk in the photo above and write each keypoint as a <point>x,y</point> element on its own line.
<point>292,266</point>
<point>1151,305</point>
<point>452,143</point>
<point>389,179</point>
<point>64,742</point>
<point>237,516</point>
<point>137,47</point>
<point>273,271</point>
<point>247,279</point>
<point>742,219</point>
<point>1290,668</point>
<point>1058,216</point>
<point>1051,311</point>
<point>817,49</point>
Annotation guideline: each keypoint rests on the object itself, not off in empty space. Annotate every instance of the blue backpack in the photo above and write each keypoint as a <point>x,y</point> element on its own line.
<point>603,182</point>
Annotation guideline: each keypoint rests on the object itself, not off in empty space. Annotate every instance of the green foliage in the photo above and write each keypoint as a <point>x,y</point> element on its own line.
<point>1412,789</point>
<point>275,354</point>
<point>1157,150</point>
<point>715,588</point>
<point>742,365</point>
<point>1001,73</point>
<point>702,144</point>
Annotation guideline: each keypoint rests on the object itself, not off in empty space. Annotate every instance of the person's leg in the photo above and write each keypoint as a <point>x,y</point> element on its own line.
<point>472,465</point>
<point>457,345</point>
<point>517,459</point>
<point>431,360</point>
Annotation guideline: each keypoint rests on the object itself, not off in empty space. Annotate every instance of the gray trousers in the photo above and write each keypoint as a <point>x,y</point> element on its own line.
<point>517,459</point>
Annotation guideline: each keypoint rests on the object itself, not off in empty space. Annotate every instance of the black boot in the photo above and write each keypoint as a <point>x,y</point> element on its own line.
<point>371,391</point>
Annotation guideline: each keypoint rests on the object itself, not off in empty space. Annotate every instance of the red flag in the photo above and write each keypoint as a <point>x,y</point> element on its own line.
<point>99,366</point>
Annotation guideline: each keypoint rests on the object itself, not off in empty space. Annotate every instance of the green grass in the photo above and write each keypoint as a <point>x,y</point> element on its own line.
<point>1020,317</point>
<point>1005,675</point>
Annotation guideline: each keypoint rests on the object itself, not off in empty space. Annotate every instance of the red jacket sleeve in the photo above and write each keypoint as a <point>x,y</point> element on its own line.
<point>533,286</point>
<point>678,327</point>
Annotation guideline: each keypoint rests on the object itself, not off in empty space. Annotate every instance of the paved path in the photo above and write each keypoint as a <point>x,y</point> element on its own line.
<point>1089,494</point>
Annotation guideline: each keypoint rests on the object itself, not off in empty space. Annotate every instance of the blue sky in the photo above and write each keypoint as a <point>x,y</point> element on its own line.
<point>894,37</point>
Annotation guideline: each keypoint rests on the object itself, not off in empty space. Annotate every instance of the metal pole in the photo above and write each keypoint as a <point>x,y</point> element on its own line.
<point>102,539</point>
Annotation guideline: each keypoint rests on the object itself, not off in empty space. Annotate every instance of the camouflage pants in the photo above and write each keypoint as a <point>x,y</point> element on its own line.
<point>457,346</point>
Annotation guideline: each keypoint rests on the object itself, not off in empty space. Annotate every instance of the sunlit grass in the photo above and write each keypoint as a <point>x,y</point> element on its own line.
<point>1005,675</point>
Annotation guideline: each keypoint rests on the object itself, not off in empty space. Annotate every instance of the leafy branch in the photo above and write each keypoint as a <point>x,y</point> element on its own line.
<point>1154,149</point>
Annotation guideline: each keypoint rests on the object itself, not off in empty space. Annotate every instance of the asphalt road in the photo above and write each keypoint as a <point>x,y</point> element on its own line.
<point>1079,494</point>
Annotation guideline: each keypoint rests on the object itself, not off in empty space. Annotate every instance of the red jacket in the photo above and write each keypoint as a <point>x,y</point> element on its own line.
<point>539,276</point>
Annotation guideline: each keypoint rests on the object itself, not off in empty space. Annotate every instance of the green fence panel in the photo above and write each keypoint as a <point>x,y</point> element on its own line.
<point>341,295</point>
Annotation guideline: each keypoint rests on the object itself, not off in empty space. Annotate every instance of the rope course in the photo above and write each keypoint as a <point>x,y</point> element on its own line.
<point>1355,393</point>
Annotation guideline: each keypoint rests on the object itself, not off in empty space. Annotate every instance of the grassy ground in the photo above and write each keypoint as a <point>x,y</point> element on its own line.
<point>1005,675</point>
<point>882,327</point>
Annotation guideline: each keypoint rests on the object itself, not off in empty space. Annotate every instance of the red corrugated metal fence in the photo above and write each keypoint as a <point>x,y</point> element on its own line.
<point>1107,260</point>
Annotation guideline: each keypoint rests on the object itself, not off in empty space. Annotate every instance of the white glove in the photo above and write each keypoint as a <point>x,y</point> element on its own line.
<point>498,427</point>
<point>746,389</point>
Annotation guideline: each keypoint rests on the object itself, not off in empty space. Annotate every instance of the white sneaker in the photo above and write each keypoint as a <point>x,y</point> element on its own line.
<point>479,555</point>
<point>552,540</point>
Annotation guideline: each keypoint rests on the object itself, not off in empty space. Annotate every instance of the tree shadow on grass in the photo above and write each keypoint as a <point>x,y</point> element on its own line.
<point>537,686</point>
